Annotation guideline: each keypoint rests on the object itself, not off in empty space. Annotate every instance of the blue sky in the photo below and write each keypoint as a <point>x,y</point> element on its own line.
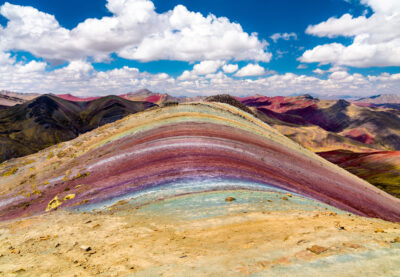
<point>284,48</point>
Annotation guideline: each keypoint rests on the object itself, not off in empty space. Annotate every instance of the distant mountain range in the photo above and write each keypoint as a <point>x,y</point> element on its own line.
<point>158,98</point>
<point>7,101</point>
<point>323,125</point>
<point>381,99</point>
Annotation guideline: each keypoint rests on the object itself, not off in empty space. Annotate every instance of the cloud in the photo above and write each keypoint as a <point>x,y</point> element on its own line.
<point>376,39</point>
<point>5,58</point>
<point>302,66</point>
<point>134,31</point>
<point>230,68</point>
<point>207,67</point>
<point>285,36</point>
<point>250,70</point>
<point>202,68</point>
<point>187,75</point>
<point>319,71</point>
<point>279,54</point>
<point>80,78</point>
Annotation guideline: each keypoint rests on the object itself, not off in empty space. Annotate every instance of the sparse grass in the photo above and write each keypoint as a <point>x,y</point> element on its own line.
<point>80,175</point>
<point>171,103</point>
<point>28,162</point>
<point>10,172</point>
<point>50,155</point>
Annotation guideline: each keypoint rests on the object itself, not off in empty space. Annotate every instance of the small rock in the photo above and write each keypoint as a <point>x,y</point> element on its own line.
<point>230,199</point>
<point>285,198</point>
<point>379,230</point>
<point>263,264</point>
<point>57,245</point>
<point>96,226</point>
<point>184,256</point>
<point>86,248</point>
<point>396,240</point>
<point>352,245</point>
<point>316,249</point>
<point>87,222</point>
<point>45,237</point>
<point>302,241</point>
<point>282,261</point>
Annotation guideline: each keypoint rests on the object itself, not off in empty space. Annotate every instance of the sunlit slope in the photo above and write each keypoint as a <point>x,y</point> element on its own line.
<point>381,169</point>
<point>167,151</point>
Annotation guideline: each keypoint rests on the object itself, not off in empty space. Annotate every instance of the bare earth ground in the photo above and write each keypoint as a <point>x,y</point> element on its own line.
<point>127,241</point>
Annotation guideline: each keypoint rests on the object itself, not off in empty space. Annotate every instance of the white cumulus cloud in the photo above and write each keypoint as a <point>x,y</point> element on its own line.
<point>376,39</point>
<point>230,68</point>
<point>207,67</point>
<point>250,70</point>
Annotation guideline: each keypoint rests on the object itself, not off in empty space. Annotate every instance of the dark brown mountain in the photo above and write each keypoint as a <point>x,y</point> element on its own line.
<point>47,120</point>
<point>227,99</point>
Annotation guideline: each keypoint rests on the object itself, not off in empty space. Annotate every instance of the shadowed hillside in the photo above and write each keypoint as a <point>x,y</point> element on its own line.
<point>47,120</point>
<point>109,109</point>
